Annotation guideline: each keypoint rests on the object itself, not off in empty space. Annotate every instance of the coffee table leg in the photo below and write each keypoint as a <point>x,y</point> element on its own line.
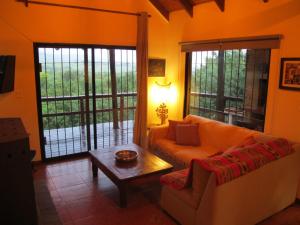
<point>123,192</point>
<point>95,169</point>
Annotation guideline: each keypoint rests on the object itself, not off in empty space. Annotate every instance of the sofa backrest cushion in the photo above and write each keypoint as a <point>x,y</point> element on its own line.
<point>218,134</point>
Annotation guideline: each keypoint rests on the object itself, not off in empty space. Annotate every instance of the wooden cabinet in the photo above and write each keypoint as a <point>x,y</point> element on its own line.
<point>17,200</point>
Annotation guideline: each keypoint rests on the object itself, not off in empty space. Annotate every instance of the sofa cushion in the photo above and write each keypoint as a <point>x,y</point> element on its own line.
<point>247,141</point>
<point>187,153</point>
<point>199,152</point>
<point>187,134</point>
<point>218,134</point>
<point>222,136</point>
<point>172,128</point>
<point>196,119</point>
<point>176,179</point>
<point>168,146</point>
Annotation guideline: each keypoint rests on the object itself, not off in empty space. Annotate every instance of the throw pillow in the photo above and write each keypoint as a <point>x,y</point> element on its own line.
<point>187,134</point>
<point>172,128</point>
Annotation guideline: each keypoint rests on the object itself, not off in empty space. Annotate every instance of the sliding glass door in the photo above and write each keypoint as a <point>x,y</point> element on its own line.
<point>86,97</point>
<point>115,96</point>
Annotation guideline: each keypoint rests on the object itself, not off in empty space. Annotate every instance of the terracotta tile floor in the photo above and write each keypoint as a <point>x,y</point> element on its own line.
<point>81,200</point>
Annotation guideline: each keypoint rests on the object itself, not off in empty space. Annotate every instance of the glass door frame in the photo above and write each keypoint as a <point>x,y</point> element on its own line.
<point>36,46</point>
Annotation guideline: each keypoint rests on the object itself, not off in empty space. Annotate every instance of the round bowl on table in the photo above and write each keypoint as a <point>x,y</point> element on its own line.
<point>126,155</point>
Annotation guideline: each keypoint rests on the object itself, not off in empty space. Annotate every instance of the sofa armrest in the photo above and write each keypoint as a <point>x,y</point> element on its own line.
<point>296,146</point>
<point>192,191</point>
<point>200,181</point>
<point>156,133</point>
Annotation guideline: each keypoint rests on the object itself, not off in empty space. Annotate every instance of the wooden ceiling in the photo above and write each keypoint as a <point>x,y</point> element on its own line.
<point>165,7</point>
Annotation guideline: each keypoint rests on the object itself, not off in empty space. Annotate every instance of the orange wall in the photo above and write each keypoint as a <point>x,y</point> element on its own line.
<point>21,26</point>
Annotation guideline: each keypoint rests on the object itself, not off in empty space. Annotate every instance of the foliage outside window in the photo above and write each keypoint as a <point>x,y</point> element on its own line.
<point>63,75</point>
<point>229,86</point>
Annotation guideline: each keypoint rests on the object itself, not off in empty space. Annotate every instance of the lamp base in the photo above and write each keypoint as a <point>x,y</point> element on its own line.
<point>162,113</point>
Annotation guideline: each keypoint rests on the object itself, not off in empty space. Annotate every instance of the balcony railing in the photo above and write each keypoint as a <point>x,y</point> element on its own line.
<point>232,114</point>
<point>73,139</point>
<point>82,112</point>
<point>226,110</point>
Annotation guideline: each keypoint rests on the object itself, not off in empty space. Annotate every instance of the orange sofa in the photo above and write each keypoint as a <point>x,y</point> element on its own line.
<point>214,137</point>
<point>242,201</point>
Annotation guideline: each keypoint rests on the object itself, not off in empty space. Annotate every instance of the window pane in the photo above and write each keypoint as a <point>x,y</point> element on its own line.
<point>230,86</point>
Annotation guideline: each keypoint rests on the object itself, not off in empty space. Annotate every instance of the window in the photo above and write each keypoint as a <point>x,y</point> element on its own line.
<point>228,85</point>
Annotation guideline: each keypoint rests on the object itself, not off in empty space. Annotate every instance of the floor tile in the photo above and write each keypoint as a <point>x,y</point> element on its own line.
<point>71,193</point>
<point>69,223</point>
<point>82,208</point>
<point>64,215</point>
<point>90,220</point>
<point>66,180</point>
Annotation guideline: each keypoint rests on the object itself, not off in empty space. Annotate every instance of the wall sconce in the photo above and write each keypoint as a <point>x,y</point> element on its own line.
<point>162,96</point>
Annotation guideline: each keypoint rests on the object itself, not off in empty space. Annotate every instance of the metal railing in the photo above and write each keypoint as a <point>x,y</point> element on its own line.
<point>214,95</point>
<point>82,111</point>
<point>82,98</point>
<point>231,112</point>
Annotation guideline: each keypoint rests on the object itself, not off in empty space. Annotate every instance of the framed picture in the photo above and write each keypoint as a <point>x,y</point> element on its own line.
<point>156,67</point>
<point>290,74</point>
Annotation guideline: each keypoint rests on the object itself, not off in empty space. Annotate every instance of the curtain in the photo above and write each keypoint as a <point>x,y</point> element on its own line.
<point>140,118</point>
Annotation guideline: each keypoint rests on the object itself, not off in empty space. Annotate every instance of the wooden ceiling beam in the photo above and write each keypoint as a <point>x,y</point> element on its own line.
<point>221,4</point>
<point>187,5</point>
<point>163,11</point>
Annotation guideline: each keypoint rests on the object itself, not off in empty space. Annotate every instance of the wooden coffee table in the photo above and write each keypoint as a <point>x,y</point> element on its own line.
<point>122,173</point>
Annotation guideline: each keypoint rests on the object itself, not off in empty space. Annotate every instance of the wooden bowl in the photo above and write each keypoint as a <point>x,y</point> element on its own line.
<point>126,155</point>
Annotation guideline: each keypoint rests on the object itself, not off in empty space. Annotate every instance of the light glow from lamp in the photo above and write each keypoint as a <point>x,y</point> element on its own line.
<point>161,94</point>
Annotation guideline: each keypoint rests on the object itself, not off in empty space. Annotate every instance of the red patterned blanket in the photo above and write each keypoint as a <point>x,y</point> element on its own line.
<point>233,163</point>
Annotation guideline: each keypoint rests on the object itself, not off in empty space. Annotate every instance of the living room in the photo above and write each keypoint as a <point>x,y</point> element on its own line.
<point>28,32</point>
